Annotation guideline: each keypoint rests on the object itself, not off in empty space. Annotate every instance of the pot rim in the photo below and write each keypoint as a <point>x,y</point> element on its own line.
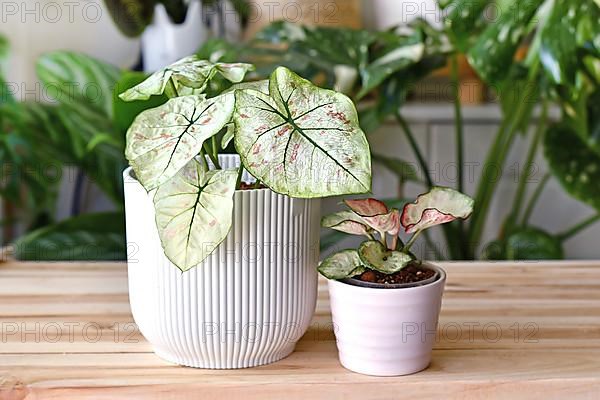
<point>129,174</point>
<point>440,277</point>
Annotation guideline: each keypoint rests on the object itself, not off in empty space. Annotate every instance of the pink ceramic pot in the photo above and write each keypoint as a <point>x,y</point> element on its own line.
<point>386,332</point>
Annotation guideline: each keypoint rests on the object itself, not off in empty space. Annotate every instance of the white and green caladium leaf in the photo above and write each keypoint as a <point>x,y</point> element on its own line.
<point>187,76</point>
<point>163,139</point>
<point>376,256</point>
<point>438,206</point>
<point>193,212</point>
<point>301,140</point>
<point>347,222</point>
<point>343,264</point>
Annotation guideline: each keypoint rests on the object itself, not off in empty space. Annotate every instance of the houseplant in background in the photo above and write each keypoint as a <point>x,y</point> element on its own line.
<point>171,29</point>
<point>530,55</point>
<point>384,302</point>
<point>248,289</point>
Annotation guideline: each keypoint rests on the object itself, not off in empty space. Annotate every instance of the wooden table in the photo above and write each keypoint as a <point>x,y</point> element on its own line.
<point>507,330</point>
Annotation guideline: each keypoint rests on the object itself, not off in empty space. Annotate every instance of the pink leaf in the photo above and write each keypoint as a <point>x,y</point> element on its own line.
<point>438,206</point>
<point>367,207</point>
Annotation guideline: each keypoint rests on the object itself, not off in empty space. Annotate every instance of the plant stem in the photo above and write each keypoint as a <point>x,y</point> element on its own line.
<point>257,184</point>
<point>459,135</point>
<point>414,146</point>
<point>215,148</point>
<point>458,123</point>
<point>520,192</point>
<point>238,181</point>
<point>171,89</point>
<point>411,241</point>
<point>578,227</point>
<point>394,242</point>
<point>534,198</point>
<point>496,157</point>
<point>215,160</point>
<point>203,157</point>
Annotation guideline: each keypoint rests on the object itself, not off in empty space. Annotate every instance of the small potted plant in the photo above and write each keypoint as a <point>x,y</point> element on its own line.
<point>224,247</point>
<point>384,302</point>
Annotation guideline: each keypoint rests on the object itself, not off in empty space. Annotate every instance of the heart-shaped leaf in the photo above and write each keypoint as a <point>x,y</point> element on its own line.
<point>346,221</point>
<point>301,140</point>
<point>193,212</point>
<point>376,215</point>
<point>575,165</point>
<point>438,206</point>
<point>162,140</point>
<point>187,76</point>
<point>376,256</point>
<point>341,265</point>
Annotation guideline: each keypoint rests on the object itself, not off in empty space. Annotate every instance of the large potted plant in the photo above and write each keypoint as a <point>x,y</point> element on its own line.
<point>384,302</point>
<point>224,269</point>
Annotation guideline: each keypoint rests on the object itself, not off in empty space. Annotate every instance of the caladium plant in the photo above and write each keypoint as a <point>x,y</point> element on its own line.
<point>294,137</point>
<point>384,251</point>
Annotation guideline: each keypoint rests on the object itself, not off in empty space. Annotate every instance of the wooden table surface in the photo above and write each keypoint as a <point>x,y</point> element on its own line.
<point>507,330</point>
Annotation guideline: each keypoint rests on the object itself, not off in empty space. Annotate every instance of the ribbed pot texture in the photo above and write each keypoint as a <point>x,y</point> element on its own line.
<point>248,303</point>
<point>386,332</point>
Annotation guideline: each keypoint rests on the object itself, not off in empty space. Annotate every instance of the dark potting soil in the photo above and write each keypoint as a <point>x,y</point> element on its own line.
<point>250,186</point>
<point>412,273</point>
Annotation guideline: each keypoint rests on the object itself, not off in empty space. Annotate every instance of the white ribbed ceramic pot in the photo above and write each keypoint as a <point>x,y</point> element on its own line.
<point>386,332</point>
<point>248,303</point>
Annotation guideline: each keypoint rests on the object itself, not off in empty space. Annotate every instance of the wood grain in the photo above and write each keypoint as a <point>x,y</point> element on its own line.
<point>507,330</point>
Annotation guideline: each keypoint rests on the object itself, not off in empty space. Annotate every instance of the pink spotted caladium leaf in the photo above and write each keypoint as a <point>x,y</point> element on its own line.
<point>194,212</point>
<point>376,214</point>
<point>301,140</point>
<point>438,206</point>
<point>347,222</point>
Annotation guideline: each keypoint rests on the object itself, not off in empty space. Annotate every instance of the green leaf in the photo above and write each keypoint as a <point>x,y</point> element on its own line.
<point>228,136</point>
<point>194,213</point>
<point>496,47</point>
<point>533,244</point>
<point>86,237</point>
<point>187,76</point>
<point>569,27</point>
<point>162,140</point>
<point>341,265</point>
<point>438,206</point>
<point>74,78</point>
<point>376,256</point>
<point>575,165</point>
<point>301,140</point>
<point>131,16</point>
<point>464,19</point>
<point>125,112</point>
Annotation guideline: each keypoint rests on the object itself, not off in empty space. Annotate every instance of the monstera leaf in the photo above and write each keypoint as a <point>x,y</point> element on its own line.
<point>376,256</point>
<point>575,165</point>
<point>187,76</point>
<point>193,212</point>
<point>342,265</point>
<point>438,206</point>
<point>162,140</point>
<point>301,140</point>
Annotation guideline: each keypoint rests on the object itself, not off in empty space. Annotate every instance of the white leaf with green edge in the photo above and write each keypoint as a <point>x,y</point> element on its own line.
<point>438,206</point>
<point>261,86</point>
<point>347,222</point>
<point>189,75</point>
<point>163,139</point>
<point>302,140</point>
<point>376,256</point>
<point>343,264</point>
<point>194,213</point>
